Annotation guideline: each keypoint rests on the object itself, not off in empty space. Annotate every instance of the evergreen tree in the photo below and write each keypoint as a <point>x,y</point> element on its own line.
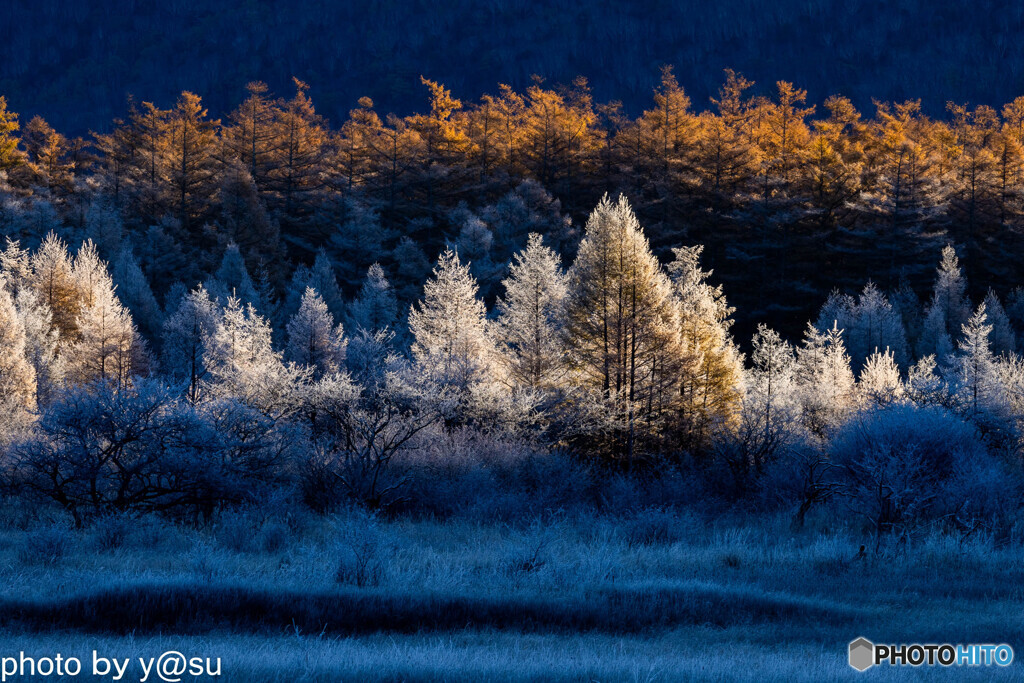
<point>242,364</point>
<point>1002,339</point>
<point>623,327</point>
<point>948,310</point>
<point>313,339</point>
<point>375,308</point>
<point>54,282</point>
<point>17,376</point>
<point>711,390</point>
<point>453,342</point>
<point>184,332</point>
<point>880,380</point>
<point>975,365</point>
<point>134,291</point>
<point>771,386</point>
<point>530,318</point>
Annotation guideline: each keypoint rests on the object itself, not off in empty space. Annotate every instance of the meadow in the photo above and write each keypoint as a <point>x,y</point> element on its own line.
<point>648,595</point>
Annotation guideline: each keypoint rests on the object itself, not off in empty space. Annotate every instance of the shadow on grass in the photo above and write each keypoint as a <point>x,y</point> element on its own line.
<point>198,609</point>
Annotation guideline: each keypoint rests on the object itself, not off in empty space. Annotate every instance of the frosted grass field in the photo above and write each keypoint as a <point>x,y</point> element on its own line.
<point>655,596</point>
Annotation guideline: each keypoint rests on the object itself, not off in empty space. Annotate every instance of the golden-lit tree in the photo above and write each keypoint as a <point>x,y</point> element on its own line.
<point>251,135</point>
<point>10,155</point>
<point>297,165</point>
<point>47,153</point>
<point>191,147</point>
<point>623,330</point>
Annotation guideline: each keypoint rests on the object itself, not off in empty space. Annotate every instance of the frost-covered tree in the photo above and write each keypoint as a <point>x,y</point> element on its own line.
<point>375,307</point>
<point>623,326</point>
<point>948,309</point>
<point>453,342</point>
<point>324,281</point>
<point>880,380</point>
<point>924,384</point>
<point>232,279</point>
<point>242,363</point>
<point>107,346</point>
<point>56,285</point>
<point>134,291</point>
<point>17,376</point>
<point>974,366</point>
<point>41,345</point>
<point>710,390</point>
<point>313,339</point>
<point>184,331</point>
<point>530,318</point>
<point>869,324</point>
<point>15,267</point>
<point>771,380</point>
<point>1002,339</point>
<point>824,378</point>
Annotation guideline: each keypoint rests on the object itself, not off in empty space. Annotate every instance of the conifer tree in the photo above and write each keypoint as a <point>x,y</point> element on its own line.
<point>623,325</point>
<point>948,309</point>
<point>530,318</point>
<point>17,376</point>
<point>771,383</point>
<point>313,339</point>
<point>710,391</point>
<point>134,292</point>
<point>375,307</point>
<point>184,332</point>
<point>453,341</point>
<point>10,155</point>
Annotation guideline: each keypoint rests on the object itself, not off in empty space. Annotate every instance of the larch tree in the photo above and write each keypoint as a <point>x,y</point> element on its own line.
<point>530,318</point>
<point>297,164</point>
<point>107,344</point>
<point>622,328</point>
<point>948,309</point>
<point>975,369</point>
<point>824,379</point>
<point>134,292</point>
<point>375,307</point>
<point>869,324</point>
<point>232,279</point>
<point>10,155</point>
<point>770,391</point>
<point>54,282</point>
<point>710,387</point>
<point>192,148</point>
<point>250,134</point>
<point>880,381</point>
<point>17,376</point>
<point>453,342</point>
<point>184,332</point>
<point>242,363</point>
<point>314,340</point>
<point>1003,339</point>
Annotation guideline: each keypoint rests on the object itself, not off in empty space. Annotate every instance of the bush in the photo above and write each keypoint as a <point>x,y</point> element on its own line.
<point>904,465</point>
<point>101,450</point>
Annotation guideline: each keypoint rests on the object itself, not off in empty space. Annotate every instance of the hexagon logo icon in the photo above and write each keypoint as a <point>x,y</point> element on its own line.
<point>862,654</point>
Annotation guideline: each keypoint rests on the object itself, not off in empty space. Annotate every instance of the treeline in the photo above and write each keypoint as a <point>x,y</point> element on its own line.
<point>912,413</point>
<point>789,201</point>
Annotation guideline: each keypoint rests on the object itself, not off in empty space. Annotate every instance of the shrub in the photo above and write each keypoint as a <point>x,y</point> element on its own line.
<point>904,465</point>
<point>100,449</point>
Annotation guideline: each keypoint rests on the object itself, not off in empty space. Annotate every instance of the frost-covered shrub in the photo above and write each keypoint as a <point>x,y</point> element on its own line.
<point>100,449</point>
<point>904,465</point>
